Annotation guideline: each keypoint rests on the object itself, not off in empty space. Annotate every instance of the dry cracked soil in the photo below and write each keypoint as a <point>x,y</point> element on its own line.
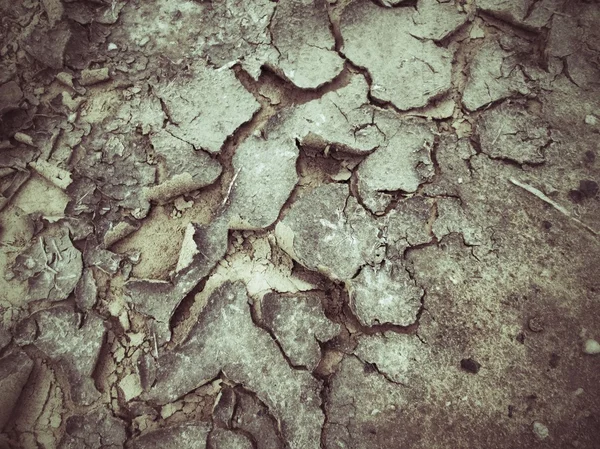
<point>299,224</point>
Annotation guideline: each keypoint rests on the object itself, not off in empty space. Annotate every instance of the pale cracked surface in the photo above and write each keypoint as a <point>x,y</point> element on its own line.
<point>384,294</point>
<point>204,106</point>
<point>301,36</point>
<point>402,164</point>
<point>298,324</point>
<point>299,224</point>
<point>407,68</point>
<point>74,342</point>
<point>247,355</point>
<point>326,230</point>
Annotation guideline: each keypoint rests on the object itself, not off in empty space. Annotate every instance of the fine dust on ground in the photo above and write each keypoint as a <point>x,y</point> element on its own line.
<point>299,224</point>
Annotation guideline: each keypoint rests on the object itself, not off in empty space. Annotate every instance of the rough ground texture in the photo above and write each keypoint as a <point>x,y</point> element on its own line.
<point>299,224</point>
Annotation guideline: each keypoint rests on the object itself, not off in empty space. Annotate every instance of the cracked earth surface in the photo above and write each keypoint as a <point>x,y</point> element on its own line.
<point>299,224</point>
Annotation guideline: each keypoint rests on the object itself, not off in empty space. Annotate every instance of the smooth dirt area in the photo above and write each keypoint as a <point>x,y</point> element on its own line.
<point>299,224</point>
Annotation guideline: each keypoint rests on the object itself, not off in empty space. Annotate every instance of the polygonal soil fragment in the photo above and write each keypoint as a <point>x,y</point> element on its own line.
<point>183,436</point>
<point>402,164</point>
<point>301,35</point>
<point>265,167</point>
<point>384,294</point>
<point>398,356</point>
<point>342,118</point>
<point>184,169</point>
<point>51,265</point>
<point>202,248</point>
<point>14,372</point>
<point>492,76</point>
<point>510,132</point>
<point>72,342</point>
<point>574,38</point>
<point>228,439</point>
<point>265,176</point>
<point>205,106</point>
<point>239,410</point>
<point>98,429</point>
<point>363,409</point>
<point>226,340</point>
<point>238,32</point>
<point>408,224</point>
<point>86,290</point>
<point>436,20</point>
<point>327,230</point>
<point>299,324</point>
<point>453,219</point>
<point>407,71</point>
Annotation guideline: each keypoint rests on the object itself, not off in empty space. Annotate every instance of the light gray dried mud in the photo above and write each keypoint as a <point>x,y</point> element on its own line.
<point>216,92</point>
<point>402,164</point>
<point>299,224</point>
<point>246,355</point>
<point>397,49</point>
<point>298,324</point>
<point>326,230</point>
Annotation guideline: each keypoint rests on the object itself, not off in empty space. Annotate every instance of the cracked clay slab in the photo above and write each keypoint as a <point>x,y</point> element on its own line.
<point>306,47</point>
<point>327,230</point>
<point>407,68</point>
<point>73,342</point>
<point>266,175</point>
<point>509,131</point>
<point>299,324</point>
<point>226,340</point>
<point>492,77</point>
<point>395,355</point>
<point>384,294</point>
<point>205,106</point>
<point>343,119</point>
<point>184,169</point>
<point>402,164</point>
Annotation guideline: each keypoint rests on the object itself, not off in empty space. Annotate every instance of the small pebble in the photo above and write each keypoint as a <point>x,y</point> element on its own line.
<point>470,365</point>
<point>65,78</point>
<point>535,324</point>
<point>591,347</point>
<point>24,138</point>
<point>540,430</point>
